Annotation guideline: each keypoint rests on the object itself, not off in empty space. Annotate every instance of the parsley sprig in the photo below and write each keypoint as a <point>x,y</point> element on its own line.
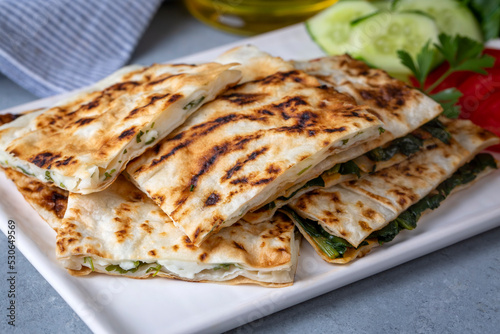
<point>461,53</point>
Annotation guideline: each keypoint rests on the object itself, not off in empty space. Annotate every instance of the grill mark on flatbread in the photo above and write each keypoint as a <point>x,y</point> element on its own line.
<point>239,246</point>
<point>65,162</point>
<point>127,134</point>
<point>44,160</point>
<point>340,129</point>
<point>266,113</point>
<point>7,118</point>
<point>160,80</point>
<point>152,100</point>
<point>389,99</point>
<point>242,99</point>
<point>212,199</point>
<point>146,227</point>
<point>100,124</point>
<point>390,96</point>
<point>84,121</point>
<point>240,164</point>
<point>48,200</point>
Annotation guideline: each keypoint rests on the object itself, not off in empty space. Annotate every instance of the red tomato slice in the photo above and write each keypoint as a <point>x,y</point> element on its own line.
<point>488,116</point>
<point>476,89</point>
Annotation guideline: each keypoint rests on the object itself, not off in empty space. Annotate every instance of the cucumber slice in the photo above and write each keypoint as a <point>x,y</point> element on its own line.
<point>331,29</point>
<point>452,17</point>
<point>378,38</point>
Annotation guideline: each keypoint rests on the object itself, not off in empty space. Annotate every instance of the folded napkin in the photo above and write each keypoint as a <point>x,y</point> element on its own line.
<point>52,46</point>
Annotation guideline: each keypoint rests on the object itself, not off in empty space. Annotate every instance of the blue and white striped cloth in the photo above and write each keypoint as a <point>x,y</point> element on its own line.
<point>52,46</point>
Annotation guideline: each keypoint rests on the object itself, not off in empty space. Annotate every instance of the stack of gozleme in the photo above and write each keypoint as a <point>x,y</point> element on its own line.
<point>345,221</point>
<point>215,182</point>
<point>120,231</point>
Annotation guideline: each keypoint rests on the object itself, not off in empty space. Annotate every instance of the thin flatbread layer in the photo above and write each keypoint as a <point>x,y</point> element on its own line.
<point>48,200</point>
<point>251,142</point>
<point>368,244</point>
<point>121,225</point>
<point>401,108</point>
<point>83,143</point>
<point>331,177</point>
<point>354,209</point>
<point>254,63</point>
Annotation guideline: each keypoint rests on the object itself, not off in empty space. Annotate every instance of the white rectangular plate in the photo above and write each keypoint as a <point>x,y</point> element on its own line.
<point>121,305</point>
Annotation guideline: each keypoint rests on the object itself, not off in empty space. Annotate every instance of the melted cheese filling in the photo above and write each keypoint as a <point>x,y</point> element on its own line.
<point>192,270</point>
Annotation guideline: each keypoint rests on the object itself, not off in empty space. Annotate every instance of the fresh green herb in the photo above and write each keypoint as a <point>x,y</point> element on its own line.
<point>194,103</point>
<point>25,171</point>
<point>448,99</point>
<point>152,125</point>
<point>108,175</point>
<point>62,185</point>
<point>345,141</point>
<point>116,267</point>
<point>461,53</point>
<point>423,64</point>
<point>156,268</point>
<point>151,140</point>
<point>48,177</point>
<point>191,188</point>
<point>138,137</point>
<point>381,130</point>
<point>119,161</point>
<point>223,266</point>
<point>89,260</point>
<point>125,151</point>
<point>304,170</point>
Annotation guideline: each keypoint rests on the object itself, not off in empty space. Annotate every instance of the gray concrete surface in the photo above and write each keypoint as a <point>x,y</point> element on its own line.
<point>454,290</point>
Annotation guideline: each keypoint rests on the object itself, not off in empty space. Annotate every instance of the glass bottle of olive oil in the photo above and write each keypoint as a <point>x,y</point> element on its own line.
<point>250,17</point>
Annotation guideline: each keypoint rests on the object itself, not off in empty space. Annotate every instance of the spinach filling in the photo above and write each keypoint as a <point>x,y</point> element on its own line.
<point>344,168</point>
<point>408,219</point>
<point>332,246</point>
<point>410,143</point>
<point>335,247</point>
<point>116,267</point>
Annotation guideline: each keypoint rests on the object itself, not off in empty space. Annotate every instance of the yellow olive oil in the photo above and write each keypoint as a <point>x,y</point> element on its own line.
<point>249,17</point>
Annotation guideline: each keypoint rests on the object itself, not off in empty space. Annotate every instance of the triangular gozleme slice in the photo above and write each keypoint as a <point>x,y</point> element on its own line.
<point>252,141</point>
<point>401,108</point>
<point>83,143</point>
<point>354,210</point>
<point>120,231</point>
